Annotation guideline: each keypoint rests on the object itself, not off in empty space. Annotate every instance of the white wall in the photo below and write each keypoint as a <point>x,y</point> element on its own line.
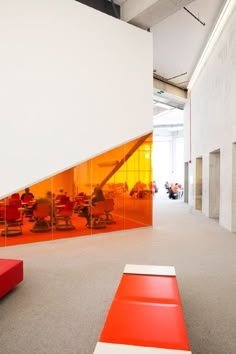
<point>178,158</point>
<point>168,159</point>
<point>214,119</point>
<point>74,83</point>
<point>162,161</point>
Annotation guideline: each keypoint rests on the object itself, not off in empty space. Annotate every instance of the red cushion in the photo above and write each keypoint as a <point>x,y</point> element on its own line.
<point>149,288</point>
<point>11,274</point>
<point>145,324</point>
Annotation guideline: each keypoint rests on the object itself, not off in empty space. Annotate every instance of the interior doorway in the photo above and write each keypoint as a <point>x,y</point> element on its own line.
<point>214,184</point>
<point>186,181</point>
<point>198,185</point>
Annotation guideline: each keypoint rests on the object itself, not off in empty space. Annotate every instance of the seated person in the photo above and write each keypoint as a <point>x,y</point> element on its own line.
<point>48,199</point>
<point>153,187</point>
<point>26,198</point>
<point>97,196</point>
<point>138,188</point>
<point>173,191</point>
<point>61,197</point>
<point>27,195</point>
<point>167,187</point>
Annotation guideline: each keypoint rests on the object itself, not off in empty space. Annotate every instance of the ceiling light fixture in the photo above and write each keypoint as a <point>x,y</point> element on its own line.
<point>225,14</point>
<point>162,105</point>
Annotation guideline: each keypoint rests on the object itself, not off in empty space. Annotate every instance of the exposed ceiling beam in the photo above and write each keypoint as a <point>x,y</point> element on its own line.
<point>168,87</point>
<point>168,82</point>
<point>147,13</point>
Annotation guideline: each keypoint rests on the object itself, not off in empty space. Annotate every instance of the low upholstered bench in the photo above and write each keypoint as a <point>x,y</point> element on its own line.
<point>146,315</point>
<point>11,274</point>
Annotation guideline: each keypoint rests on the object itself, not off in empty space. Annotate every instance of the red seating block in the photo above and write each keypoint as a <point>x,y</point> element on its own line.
<point>149,288</point>
<point>146,314</point>
<point>145,324</point>
<point>11,274</point>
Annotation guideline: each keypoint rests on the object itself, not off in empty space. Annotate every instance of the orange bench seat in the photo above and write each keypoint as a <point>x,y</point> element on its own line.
<point>146,314</point>
<point>148,288</point>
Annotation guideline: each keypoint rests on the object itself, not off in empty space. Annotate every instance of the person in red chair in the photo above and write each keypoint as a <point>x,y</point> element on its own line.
<point>97,196</point>
<point>27,198</point>
<point>65,215</point>
<point>96,209</point>
<point>61,197</point>
<point>27,195</point>
<point>48,199</point>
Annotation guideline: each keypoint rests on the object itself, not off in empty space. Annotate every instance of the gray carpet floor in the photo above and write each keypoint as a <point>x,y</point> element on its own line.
<point>69,284</point>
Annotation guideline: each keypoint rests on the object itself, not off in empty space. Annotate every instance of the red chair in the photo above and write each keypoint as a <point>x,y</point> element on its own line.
<point>27,203</point>
<point>80,201</point>
<point>65,215</point>
<point>108,208</point>
<point>13,201</point>
<point>28,199</point>
<point>62,199</point>
<point>40,213</point>
<point>15,196</point>
<point>95,216</point>
<point>12,220</point>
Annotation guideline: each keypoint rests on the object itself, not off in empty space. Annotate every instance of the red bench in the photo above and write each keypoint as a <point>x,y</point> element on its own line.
<point>11,274</point>
<point>146,315</point>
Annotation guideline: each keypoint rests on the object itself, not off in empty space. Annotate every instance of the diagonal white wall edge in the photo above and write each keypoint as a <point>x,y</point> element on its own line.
<point>74,83</point>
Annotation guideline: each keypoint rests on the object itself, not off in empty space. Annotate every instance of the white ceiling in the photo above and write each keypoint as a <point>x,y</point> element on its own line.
<point>178,43</point>
<point>147,13</point>
<point>179,40</point>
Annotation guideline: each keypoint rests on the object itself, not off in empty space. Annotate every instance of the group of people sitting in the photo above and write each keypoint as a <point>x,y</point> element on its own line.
<point>30,203</point>
<point>172,189</point>
<point>140,189</point>
<point>54,205</point>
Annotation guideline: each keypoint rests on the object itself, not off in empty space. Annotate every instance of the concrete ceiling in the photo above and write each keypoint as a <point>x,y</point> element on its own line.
<point>147,13</point>
<point>179,40</point>
<point>178,43</point>
<point>178,37</point>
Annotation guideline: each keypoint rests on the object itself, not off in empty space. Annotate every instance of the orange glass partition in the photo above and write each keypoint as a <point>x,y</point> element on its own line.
<point>110,192</point>
<point>2,222</point>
